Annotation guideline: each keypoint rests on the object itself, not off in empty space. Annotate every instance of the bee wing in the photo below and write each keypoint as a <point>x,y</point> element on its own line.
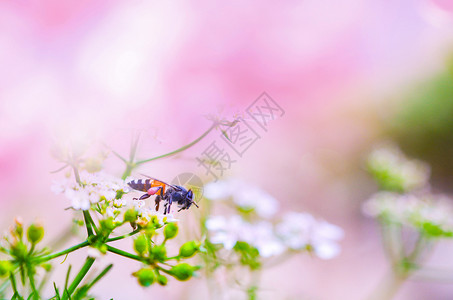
<point>167,184</point>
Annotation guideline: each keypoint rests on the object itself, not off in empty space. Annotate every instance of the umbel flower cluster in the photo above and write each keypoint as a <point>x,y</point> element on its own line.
<point>411,217</point>
<point>257,224</point>
<point>105,209</point>
<point>244,229</point>
<point>405,196</point>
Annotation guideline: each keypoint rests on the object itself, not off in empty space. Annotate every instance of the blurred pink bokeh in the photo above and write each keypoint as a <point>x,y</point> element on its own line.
<point>100,71</point>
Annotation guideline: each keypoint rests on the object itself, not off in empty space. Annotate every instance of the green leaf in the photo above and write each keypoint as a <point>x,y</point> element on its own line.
<point>57,293</point>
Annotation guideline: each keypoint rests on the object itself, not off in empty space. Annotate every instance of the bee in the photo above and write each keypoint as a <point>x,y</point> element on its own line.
<point>164,192</point>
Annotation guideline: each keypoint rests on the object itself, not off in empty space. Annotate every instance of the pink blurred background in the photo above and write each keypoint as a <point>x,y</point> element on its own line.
<point>100,71</point>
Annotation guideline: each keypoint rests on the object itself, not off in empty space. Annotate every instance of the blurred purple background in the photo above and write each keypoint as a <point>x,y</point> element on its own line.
<point>100,71</point>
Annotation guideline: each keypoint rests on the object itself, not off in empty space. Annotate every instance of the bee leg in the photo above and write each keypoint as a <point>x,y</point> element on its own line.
<point>169,204</point>
<point>157,201</point>
<point>144,196</point>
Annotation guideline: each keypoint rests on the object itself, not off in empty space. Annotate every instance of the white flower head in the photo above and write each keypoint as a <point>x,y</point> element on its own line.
<point>94,187</point>
<point>411,210</point>
<point>410,173</point>
<point>245,196</point>
<point>301,230</point>
<point>229,230</point>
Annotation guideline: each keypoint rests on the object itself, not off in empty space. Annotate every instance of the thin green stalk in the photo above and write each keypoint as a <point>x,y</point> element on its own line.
<point>13,283</point>
<point>165,270</point>
<point>122,236</point>
<point>67,277</point>
<point>134,146</point>
<point>128,171</point>
<point>90,219</point>
<point>86,217</point>
<point>102,274</point>
<point>124,253</point>
<point>86,267</point>
<point>32,283</point>
<point>60,169</point>
<point>76,174</point>
<point>64,252</point>
<point>213,126</point>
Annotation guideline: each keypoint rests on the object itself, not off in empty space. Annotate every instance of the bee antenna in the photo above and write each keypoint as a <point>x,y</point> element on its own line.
<point>195,204</point>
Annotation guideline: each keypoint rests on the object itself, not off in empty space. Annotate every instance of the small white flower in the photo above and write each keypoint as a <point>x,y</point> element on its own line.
<point>139,204</point>
<point>244,195</point>
<point>300,230</point>
<point>265,240</point>
<point>413,174</point>
<point>79,199</point>
<point>264,204</point>
<point>164,218</point>
<point>327,249</point>
<point>94,188</point>
<point>119,203</point>
<point>228,231</point>
<point>411,210</point>
<point>219,190</point>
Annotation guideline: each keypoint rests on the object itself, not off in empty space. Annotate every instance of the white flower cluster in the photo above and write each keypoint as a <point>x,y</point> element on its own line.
<point>296,231</point>
<point>389,160</point>
<point>244,196</point>
<point>229,230</point>
<point>302,230</point>
<point>411,210</point>
<point>145,213</point>
<point>94,188</point>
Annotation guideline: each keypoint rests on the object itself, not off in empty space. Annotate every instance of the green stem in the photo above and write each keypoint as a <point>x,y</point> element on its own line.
<point>213,126</point>
<point>66,251</point>
<point>13,283</point>
<point>87,217</point>
<point>124,253</point>
<point>86,267</point>
<point>102,274</point>
<point>134,148</point>
<point>165,270</point>
<point>128,170</point>
<point>32,283</point>
<point>123,236</point>
<point>93,225</point>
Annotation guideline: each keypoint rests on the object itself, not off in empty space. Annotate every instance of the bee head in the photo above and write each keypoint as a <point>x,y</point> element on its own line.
<point>190,195</point>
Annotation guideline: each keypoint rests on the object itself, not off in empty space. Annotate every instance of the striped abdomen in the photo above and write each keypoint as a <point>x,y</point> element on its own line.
<point>145,185</point>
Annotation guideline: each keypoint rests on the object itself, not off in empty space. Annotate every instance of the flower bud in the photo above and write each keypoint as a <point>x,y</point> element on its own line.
<point>46,266</point>
<point>108,224</point>
<point>19,250</point>
<point>5,268</point>
<point>170,230</point>
<point>145,276</point>
<point>182,271</point>
<point>35,233</point>
<point>18,227</point>
<point>130,215</point>
<point>188,249</point>
<point>141,244</point>
<point>162,280</point>
<point>159,252</point>
<point>103,248</point>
